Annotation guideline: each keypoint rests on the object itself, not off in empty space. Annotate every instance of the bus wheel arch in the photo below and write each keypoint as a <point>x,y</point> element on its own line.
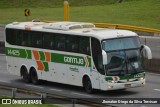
<point>87,84</point>
<point>34,76</point>
<point>25,74</point>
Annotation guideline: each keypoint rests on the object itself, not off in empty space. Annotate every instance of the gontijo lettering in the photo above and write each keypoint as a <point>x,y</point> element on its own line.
<point>73,60</point>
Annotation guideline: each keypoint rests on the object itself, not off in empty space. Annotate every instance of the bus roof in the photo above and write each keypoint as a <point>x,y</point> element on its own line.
<point>76,28</point>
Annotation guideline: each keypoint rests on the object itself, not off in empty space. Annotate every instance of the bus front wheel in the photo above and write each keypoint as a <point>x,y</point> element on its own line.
<point>87,85</point>
<point>34,76</point>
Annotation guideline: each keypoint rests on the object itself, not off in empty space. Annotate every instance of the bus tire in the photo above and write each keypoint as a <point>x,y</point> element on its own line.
<point>34,76</point>
<point>87,85</point>
<point>25,75</point>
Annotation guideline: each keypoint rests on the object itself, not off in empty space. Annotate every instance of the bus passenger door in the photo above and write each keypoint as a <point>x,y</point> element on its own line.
<point>96,56</point>
<point>95,78</point>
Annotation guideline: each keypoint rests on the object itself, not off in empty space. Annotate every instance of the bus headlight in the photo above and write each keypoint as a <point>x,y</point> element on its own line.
<point>113,81</point>
<point>142,78</point>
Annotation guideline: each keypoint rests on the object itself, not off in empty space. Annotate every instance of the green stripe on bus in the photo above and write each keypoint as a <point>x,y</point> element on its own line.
<point>42,56</point>
<point>55,57</point>
<point>126,77</point>
<point>89,60</point>
<point>16,52</point>
<point>69,59</point>
<point>29,53</point>
<point>46,68</point>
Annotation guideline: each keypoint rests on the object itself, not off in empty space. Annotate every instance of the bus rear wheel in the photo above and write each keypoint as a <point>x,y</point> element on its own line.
<point>87,85</point>
<point>34,76</point>
<point>25,75</point>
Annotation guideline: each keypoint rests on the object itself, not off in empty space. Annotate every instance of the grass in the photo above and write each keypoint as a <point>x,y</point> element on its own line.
<point>145,13</point>
<point>51,3</point>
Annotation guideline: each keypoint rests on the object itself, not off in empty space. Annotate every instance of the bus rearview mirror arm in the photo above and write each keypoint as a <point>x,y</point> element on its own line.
<point>148,51</point>
<point>104,57</point>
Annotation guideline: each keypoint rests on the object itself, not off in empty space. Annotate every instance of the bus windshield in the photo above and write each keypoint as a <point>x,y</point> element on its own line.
<point>120,44</point>
<point>123,55</point>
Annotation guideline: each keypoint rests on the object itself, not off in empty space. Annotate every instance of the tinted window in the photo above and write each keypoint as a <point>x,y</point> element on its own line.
<point>11,36</point>
<point>84,45</point>
<point>23,38</point>
<point>48,42</point>
<point>60,41</point>
<point>19,37</point>
<point>36,39</point>
<point>97,54</point>
<point>121,43</point>
<point>73,44</point>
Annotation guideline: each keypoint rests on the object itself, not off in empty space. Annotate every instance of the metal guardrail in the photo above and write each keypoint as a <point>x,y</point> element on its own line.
<point>128,27</point>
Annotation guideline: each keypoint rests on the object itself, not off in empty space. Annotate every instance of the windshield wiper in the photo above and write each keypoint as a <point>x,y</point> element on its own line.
<point>127,62</point>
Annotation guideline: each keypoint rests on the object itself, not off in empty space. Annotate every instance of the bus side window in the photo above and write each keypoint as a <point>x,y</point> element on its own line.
<point>84,45</point>
<point>11,36</point>
<point>24,39</point>
<point>36,39</point>
<point>73,44</point>
<point>60,42</point>
<point>48,42</point>
<point>19,36</point>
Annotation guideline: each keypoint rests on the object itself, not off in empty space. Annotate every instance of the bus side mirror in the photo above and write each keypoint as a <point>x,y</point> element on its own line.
<point>104,57</point>
<point>148,51</point>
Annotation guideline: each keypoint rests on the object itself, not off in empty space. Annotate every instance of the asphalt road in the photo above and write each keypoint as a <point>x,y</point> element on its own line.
<point>151,89</point>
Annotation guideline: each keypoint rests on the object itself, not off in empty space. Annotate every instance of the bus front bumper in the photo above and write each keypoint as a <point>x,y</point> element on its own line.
<point>117,86</point>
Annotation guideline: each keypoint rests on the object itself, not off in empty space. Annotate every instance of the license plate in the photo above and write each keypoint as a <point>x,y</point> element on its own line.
<point>127,85</point>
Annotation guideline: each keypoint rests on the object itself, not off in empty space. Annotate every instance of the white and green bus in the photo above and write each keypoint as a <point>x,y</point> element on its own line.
<point>77,54</point>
